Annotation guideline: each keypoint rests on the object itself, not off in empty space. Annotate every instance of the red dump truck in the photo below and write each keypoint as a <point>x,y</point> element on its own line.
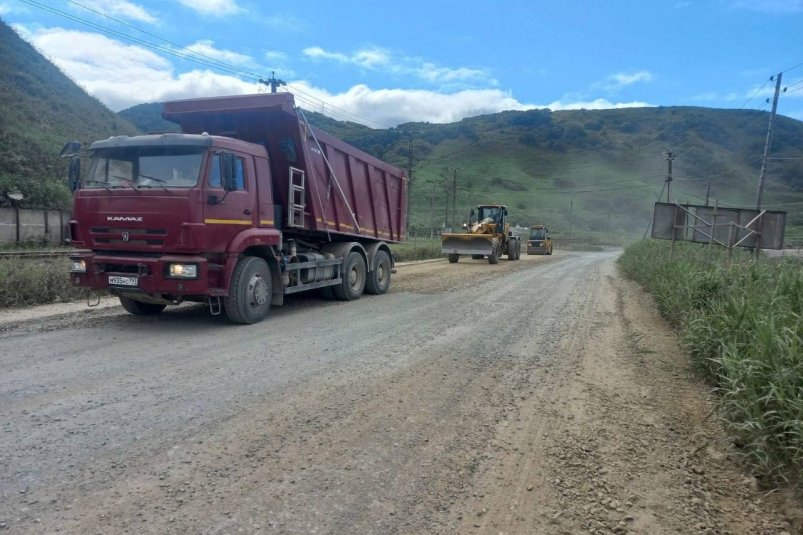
<point>248,204</point>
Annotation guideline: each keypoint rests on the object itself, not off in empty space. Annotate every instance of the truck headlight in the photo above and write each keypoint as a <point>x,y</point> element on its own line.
<point>77,265</point>
<point>182,271</point>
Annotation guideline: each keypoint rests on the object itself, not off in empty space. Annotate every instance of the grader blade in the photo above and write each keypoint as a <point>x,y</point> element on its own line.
<point>467,244</point>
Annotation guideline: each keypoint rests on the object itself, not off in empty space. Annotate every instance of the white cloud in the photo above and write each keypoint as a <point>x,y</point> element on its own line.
<point>383,60</point>
<point>389,107</point>
<point>618,81</point>
<point>122,75</point>
<point>7,9</point>
<point>213,7</point>
<point>207,48</point>
<point>121,9</point>
<point>596,104</point>
<point>774,7</point>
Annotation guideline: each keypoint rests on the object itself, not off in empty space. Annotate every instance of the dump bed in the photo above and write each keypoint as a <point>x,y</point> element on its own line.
<point>323,184</point>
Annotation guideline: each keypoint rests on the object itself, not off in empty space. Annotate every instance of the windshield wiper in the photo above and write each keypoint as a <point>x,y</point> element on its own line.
<point>127,180</point>
<point>160,181</point>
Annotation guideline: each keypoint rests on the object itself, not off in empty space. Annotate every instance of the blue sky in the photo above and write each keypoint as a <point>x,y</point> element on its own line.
<point>383,63</point>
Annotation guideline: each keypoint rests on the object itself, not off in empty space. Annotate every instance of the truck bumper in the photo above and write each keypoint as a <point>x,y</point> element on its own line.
<point>147,276</point>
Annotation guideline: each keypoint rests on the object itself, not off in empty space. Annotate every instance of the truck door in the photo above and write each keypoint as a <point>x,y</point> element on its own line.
<point>227,213</point>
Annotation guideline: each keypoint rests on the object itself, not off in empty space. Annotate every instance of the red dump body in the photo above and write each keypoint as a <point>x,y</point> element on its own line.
<point>353,194</point>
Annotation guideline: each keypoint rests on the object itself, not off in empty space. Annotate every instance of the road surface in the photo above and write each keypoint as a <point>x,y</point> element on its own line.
<point>538,396</point>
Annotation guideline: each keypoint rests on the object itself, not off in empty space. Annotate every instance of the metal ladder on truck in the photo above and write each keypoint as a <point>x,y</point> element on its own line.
<point>297,199</point>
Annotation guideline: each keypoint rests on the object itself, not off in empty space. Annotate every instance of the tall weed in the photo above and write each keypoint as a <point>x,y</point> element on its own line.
<point>741,320</point>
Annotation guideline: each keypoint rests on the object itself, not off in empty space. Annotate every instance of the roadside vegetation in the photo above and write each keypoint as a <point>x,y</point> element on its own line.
<point>36,281</point>
<point>742,322</point>
<point>417,249</point>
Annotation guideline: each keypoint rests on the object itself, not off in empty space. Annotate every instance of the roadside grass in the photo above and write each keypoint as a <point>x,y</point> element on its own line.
<point>417,249</point>
<point>742,322</point>
<point>36,281</point>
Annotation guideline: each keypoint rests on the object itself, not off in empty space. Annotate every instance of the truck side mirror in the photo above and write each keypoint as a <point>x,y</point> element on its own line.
<point>74,174</point>
<point>72,150</point>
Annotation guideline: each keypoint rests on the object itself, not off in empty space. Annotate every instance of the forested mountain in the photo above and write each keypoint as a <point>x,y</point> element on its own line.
<point>40,110</point>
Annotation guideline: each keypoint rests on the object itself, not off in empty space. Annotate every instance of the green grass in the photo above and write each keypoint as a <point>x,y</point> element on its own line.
<point>742,322</point>
<point>417,249</point>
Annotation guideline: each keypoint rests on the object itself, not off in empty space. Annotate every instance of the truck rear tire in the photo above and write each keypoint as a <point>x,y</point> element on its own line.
<point>249,296</point>
<point>353,276</point>
<point>453,258</point>
<point>378,281</point>
<point>138,308</point>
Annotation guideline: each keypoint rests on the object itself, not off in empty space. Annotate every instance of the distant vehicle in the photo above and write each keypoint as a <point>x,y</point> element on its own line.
<point>539,241</point>
<point>489,236</point>
<point>248,204</point>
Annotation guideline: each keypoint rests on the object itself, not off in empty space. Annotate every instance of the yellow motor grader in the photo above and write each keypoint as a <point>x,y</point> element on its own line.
<point>487,236</point>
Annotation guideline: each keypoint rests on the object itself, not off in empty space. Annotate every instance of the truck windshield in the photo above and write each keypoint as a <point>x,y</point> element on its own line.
<point>538,234</point>
<point>145,167</point>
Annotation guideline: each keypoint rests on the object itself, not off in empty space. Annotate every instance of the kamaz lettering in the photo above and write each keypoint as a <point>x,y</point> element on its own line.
<point>137,219</point>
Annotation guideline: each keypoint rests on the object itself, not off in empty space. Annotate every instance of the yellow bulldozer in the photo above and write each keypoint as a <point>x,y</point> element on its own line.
<point>488,236</point>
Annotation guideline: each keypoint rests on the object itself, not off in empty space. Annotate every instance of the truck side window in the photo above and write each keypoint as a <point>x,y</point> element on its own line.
<point>239,174</point>
<point>215,181</point>
<point>215,175</point>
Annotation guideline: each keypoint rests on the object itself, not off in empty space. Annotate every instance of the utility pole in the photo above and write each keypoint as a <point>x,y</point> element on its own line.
<point>707,193</point>
<point>669,158</point>
<point>273,82</point>
<point>409,177</point>
<point>454,196</point>
<point>769,140</point>
<point>446,200</point>
<point>432,212</point>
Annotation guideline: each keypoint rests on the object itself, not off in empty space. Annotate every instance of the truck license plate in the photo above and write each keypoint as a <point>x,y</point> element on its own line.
<point>115,280</point>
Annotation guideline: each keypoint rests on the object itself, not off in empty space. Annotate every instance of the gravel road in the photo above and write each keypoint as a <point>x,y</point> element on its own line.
<point>539,396</point>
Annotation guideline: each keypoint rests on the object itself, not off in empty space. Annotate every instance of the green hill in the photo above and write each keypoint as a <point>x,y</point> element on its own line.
<point>589,171</point>
<point>581,172</point>
<point>40,110</point>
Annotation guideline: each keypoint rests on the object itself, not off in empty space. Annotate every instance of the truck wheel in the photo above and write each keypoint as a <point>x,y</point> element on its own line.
<point>353,278</point>
<point>453,258</point>
<point>249,296</point>
<point>138,308</point>
<point>511,250</point>
<point>493,258</point>
<point>378,280</point>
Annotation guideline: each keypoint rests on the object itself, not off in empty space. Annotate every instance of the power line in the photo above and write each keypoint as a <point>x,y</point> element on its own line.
<point>753,95</point>
<point>192,56</point>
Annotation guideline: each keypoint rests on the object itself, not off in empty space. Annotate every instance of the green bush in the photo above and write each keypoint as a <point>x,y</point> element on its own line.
<point>26,281</point>
<point>417,250</point>
<point>742,322</point>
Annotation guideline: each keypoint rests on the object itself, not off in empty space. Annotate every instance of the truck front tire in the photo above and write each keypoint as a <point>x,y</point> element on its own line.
<point>249,296</point>
<point>353,276</point>
<point>378,281</point>
<point>453,258</point>
<point>138,308</point>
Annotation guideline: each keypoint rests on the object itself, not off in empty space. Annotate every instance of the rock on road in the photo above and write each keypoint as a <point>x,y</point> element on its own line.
<point>539,396</point>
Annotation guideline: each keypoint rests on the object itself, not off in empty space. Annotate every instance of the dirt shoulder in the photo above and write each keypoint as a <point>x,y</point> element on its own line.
<point>622,438</point>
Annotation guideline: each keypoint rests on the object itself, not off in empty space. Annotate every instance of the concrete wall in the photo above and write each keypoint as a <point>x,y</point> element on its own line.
<point>34,225</point>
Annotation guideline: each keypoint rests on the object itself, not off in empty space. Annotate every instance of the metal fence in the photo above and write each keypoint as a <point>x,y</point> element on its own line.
<point>19,225</point>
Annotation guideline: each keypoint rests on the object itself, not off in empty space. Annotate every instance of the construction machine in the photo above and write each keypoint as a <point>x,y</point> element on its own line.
<point>488,236</point>
<point>539,241</point>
